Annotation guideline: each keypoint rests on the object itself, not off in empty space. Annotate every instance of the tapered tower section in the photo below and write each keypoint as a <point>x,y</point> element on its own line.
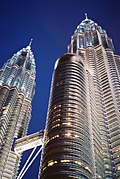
<point>67,148</point>
<point>17,86</point>
<point>102,69</point>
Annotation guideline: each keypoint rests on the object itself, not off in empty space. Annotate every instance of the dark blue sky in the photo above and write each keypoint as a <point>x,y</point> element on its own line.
<point>50,23</point>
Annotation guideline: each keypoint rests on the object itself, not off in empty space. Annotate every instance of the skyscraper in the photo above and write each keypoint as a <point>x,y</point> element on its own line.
<point>82,133</point>
<point>17,86</point>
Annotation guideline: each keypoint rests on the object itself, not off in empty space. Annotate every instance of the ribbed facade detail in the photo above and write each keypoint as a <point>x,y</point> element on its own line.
<point>17,82</point>
<point>103,78</point>
<point>67,149</point>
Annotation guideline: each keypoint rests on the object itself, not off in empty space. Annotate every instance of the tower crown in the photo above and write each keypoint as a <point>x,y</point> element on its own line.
<point>89,33</point>
<point>88,25</point>
<point>20,71</point>
<point>27,54</point>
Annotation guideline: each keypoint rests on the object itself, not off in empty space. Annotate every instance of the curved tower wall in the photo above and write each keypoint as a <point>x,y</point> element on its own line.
<point>67,145</point>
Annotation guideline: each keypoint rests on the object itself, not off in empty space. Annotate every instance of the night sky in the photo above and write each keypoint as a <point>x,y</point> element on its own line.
<point>50,23</point>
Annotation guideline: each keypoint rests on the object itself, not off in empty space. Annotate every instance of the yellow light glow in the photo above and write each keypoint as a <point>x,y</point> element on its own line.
<point>118,168</point>
<point>65,160</point>
<point>79,163</point>
<point>68,134</point>
<point>67,123</point>
<point>76,136</point>
<point>50,163</point>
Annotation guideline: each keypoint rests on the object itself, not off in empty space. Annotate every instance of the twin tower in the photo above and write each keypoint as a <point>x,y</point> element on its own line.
<point>82,133</point>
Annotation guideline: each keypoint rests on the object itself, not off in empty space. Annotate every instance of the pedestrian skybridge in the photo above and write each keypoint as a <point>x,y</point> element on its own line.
<point>29,142</point>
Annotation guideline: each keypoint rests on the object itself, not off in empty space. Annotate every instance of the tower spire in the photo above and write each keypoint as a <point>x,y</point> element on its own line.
<point>86,17</point>
<point>30,42</point>
<point>29,46</point>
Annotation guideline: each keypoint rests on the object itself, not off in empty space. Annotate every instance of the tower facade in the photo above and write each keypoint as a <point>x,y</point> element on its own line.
<point>82,134</point>
<point>17,86</point>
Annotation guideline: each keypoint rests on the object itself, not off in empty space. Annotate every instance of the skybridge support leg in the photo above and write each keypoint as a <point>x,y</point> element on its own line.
<point>26,167</point>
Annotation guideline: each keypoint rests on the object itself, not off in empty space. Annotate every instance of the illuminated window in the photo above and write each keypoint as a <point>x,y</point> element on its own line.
<point>63,161</point>
<point>52,138</point>
<point>79,163</point>
<point>76,136</point>
<point>68,134</point>
<point>56,120</point>
<point>50,163</point>
<point>67,123</point>
<point>55,126</point>
<point>118,167</point>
